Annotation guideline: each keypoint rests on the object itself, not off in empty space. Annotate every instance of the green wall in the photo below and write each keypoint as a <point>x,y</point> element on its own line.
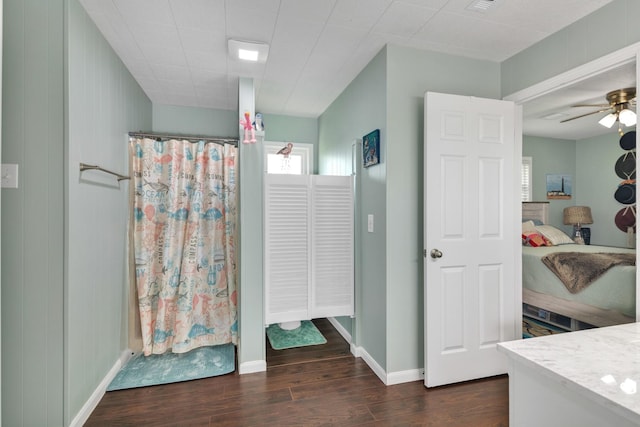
<point>591,163</point>
<point>411,73</point>
<point>33,214</point>
<point>178,120</point>
<point>104,102</point>
<point>63,270</point>
<point>597,182</point>
<point>552,156</point>
<point>389,94</point>
<point>358,110</point>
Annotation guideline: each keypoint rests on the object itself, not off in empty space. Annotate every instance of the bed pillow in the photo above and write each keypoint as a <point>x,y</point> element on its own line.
<point>554,235</point>
<point>534,239</point>
<point>535,221</point>
<point>528,226</point>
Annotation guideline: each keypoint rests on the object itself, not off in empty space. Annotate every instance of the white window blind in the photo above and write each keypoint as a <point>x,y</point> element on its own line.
<point>526,178</point>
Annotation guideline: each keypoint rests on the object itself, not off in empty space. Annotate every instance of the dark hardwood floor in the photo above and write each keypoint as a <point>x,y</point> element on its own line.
<point>309,386</point>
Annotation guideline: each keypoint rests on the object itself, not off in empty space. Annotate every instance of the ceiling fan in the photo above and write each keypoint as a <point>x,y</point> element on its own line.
<point>619,106</point>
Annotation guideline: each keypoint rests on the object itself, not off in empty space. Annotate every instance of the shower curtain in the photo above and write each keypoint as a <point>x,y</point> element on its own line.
<point>184,216</point>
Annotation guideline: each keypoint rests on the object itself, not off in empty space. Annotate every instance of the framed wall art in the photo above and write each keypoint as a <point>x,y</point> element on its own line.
<point>371,148</point>
<point>558,186</point>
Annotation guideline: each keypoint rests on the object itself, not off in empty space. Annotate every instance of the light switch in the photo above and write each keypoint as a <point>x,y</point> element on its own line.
<point>9,175</point>
<point>370,223</point>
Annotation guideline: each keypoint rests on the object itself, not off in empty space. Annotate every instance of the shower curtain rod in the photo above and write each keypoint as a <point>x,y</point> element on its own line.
<point>191,138</point>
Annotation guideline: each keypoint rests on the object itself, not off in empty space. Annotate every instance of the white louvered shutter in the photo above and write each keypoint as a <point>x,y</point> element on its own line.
<point>308,246</point>
<point>332,246</point>
<point>286,233</point>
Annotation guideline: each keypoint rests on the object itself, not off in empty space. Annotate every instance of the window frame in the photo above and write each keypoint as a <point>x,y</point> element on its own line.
<point>299,149</point>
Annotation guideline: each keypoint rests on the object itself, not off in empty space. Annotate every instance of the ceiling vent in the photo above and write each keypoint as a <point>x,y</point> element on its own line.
<point>482,6</point>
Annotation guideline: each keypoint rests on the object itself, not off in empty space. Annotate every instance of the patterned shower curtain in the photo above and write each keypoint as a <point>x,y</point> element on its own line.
<point>184,207</point>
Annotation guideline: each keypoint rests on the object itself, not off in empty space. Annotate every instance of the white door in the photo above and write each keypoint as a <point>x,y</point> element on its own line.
<point>471,239</point>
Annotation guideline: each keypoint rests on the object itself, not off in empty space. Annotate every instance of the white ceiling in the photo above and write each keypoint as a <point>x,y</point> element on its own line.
<point>177,49</point>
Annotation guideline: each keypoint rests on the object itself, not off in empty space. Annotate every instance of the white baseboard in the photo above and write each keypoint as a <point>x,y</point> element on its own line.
<point>252,367</point>
<point>83,415</point>
<point>371,362</point>
<point>405,376</point>
<point>341,330</point>
<point>390,378</point>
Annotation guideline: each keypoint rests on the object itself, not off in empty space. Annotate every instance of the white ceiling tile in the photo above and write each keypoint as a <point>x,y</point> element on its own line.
<point>291,36</point>
<point>245,69</point>
<point>314,11</point>
<point>338,41</point>
<point>145,11</point>
<point>170,72</point>
<point>450,29</point>
<point>158,54</point>
<point>202,78</point>
<point>403,19</point>
<point>207,60</point>
<point>362,14</point>
<point>200,40</point>
<point>154,35</point>
<point>202,15</point>
<point>261,7</point>
<point>140,68</point>
<point>273,94</point>
<point>435,4</point>
<point>97,7</point>
<point>177,49</point>
<point>251,24</point>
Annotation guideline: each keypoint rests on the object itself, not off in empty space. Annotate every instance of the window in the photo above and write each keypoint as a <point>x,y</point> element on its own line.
<point>526,178</point>
<point>299,161</point>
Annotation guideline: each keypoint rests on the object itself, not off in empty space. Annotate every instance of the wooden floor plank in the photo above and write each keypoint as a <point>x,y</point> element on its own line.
<point>309,386</point>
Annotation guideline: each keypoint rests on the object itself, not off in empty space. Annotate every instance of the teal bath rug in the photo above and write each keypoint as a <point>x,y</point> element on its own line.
<point>203,362</point>
<point>306,334</point>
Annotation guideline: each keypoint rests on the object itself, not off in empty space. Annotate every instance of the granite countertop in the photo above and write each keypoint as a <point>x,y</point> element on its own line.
<point>602,364</point>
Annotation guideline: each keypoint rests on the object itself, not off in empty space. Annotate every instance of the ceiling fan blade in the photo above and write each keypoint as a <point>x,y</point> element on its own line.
<point>584,115</point>
<point>591,105</point>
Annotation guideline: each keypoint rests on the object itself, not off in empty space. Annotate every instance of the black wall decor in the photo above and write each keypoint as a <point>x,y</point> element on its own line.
<point>625,194</point>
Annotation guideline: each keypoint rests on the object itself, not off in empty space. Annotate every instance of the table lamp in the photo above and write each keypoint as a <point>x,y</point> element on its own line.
<point>577,216</point>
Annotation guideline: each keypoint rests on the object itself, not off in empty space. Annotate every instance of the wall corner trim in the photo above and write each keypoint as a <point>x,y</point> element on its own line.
<point>252,367</point>
<point>83,415</point>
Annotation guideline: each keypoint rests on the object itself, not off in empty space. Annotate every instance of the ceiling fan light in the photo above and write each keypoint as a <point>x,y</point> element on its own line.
<point>627,117</point>
<point>608,120</point>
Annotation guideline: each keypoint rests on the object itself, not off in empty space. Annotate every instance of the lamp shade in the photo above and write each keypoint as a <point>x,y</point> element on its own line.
<point>608,120</point>
<point>627,117</point>
<point>577,215</point>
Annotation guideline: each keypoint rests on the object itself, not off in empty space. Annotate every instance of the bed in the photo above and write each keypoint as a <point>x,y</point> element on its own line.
<point>607,300</point>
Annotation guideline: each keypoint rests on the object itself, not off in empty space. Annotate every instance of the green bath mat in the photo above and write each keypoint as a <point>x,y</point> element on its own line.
<point>203,362</point>
<point>306,334</point>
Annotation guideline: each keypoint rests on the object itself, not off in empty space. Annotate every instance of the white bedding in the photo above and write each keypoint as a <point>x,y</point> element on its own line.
<point>615,290</point>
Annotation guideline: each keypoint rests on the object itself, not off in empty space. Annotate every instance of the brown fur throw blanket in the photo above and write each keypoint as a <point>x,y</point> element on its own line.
<point>578,270</point>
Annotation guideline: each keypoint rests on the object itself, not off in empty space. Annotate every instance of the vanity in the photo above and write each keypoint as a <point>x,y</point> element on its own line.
<point>584,378</point>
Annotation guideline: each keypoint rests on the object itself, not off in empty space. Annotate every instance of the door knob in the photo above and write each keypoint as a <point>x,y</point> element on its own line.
<point>436,254</point>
